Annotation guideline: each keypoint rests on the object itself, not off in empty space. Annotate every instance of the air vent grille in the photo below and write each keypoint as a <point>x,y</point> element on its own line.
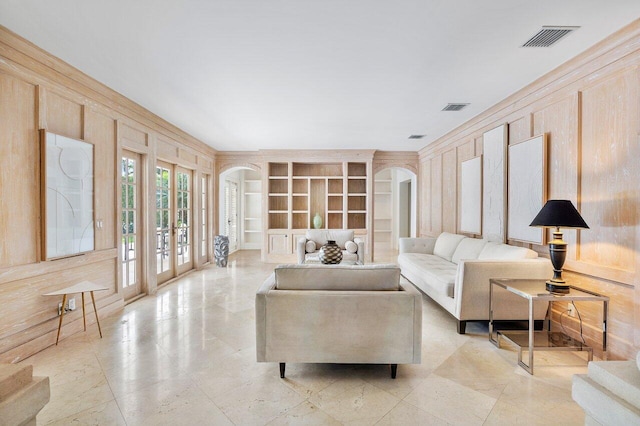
<point>454,107</point>
<point>417,136</point>
<point>548,36</point>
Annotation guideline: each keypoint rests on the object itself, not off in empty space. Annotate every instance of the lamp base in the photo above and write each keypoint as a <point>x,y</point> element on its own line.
<point>559,288</point>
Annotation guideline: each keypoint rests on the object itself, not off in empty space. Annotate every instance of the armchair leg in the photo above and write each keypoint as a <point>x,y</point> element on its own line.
<point>462,327</point>
<point>394,370</point>
<point>282,364</point>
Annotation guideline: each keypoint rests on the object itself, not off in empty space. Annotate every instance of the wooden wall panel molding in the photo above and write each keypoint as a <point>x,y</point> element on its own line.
<point>435,196</point>
<point>132,138</point>
<point>424,188</point>
<point>227,160</point>
<point>19,180</point>
<point>450,191</point>
<point>56,71</point>
<point>403,159</point>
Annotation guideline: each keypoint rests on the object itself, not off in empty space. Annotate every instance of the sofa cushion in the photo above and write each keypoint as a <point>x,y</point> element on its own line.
<point>321,236</point>
<point>446,245</point>
<point>338,277</point>
<point>504,252</point>
<point>438,273</point>
<point>469,248</point>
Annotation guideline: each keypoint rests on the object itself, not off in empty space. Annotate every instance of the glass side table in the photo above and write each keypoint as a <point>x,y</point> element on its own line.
<point>545,340</point>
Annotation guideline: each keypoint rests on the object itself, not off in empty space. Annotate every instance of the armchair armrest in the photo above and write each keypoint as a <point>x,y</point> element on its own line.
<point>417,245</point>
<point>261,314</point>
<point>300,249</point>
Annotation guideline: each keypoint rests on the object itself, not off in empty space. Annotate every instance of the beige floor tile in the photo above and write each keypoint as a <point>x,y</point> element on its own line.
<point>505,414</point>
<point>102,415</point>
<point>451,401</point>
<point>409,415</point>
<point>353,401</point>
<point>305,414</point>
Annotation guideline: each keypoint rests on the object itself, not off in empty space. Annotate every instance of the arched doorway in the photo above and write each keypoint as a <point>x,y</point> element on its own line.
<point>394,210</point>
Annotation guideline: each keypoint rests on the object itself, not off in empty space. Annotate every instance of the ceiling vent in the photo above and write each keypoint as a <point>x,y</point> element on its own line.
<point>454,107</point>
<point>417,136</point>
<point>548,36</point>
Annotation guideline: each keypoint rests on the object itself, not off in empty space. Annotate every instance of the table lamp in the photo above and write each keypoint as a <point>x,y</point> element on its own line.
<point>558,214</point>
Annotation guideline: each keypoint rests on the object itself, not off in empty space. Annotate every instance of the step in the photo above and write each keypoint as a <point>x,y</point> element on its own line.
<point>601,404</point>
<point>14,377</point>
<point>620,377</point>
<point>22,396</point>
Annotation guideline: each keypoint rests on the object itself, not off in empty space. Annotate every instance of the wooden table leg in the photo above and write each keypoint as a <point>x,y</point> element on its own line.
<point>93,299</point>
<point>84,318</point>
<point>64,301</point>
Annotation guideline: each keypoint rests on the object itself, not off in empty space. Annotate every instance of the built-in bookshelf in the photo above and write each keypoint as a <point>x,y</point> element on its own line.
<point>252,229</point>
<point>300,191</point>
<point>383,208</point>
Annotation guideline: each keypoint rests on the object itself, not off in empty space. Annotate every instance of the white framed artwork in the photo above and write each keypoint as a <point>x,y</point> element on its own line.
<point>471,196</point>
<point>67,195</point>
<point>527,188</point>
<point>494,188</point>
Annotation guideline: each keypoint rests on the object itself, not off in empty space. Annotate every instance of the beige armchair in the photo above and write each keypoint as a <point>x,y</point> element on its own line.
<point>356,314</point>
<point>308,247</point>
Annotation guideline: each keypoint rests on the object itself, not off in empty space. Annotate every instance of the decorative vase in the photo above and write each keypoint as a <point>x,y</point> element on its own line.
<point>330,253</point>
<point>317,221</point>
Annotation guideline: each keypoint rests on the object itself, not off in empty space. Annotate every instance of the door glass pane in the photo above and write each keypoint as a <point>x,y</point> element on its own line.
<point>163,234</point>
<point>128,256</point>
<point>184,218</point>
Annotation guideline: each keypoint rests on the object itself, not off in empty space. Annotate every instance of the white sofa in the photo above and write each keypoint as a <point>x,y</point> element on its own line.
<point>308,247</point>
<point>455,271</point>
<point>357,314</point>
<point>610,393</point>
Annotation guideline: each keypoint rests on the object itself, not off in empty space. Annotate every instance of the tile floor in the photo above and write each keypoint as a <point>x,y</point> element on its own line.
<point>187,356</point>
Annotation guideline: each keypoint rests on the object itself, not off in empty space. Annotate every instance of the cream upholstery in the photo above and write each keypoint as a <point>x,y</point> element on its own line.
<point>338,314</point>
<point>458,278</point>
<point>343,237</point>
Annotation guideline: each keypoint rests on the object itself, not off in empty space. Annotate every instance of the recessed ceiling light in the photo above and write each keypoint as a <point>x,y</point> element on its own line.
<point>454,107</point>
<point>417,136</point>
<point>548,36</point>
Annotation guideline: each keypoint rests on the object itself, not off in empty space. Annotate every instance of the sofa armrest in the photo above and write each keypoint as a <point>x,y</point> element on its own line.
<point>471,291</point>
<point>300,249</point>
<point>360,252</point>
<point>417,318</point>
<point>261,314</point>
<point>417,245</point>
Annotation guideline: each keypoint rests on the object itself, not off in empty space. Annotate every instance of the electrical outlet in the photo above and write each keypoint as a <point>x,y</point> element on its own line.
<point>71,304</point>
<point>571,310</point>
<point>59,308</point>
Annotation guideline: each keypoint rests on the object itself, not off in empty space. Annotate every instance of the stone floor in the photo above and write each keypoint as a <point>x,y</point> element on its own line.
<point>187,356</point>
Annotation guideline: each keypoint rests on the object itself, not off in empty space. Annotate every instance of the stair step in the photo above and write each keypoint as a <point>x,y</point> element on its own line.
<point>14,377</point>
<point>601,404</point>
<point>620,377</point>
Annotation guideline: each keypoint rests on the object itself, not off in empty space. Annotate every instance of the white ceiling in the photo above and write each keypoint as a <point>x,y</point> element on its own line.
<point>282,74</point>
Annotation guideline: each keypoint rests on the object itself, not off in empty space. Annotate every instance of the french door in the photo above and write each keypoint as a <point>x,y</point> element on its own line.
<point>130,255</point>
<point>174,229</point>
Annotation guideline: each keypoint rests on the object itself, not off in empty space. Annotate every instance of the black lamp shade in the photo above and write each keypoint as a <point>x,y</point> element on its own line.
<point>559,214</point>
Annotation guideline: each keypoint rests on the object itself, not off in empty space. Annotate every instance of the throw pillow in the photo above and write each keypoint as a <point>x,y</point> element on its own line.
<point>310,247</point>
<point>351,247</point>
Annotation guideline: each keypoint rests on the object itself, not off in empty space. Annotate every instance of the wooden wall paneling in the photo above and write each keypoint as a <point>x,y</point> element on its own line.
<point>560,121</point>
<point>424,176</point>
<point>101,132</point>
<point>187,157</point>
<point>64,116</point>
<point>610,174</point>
<point>19,173</point>
<point>519,129</point>
<point>133,138</point>
<point>435,199</point>
<point>167,150</point>
<point>450,191</point>
<point>464,152</point>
